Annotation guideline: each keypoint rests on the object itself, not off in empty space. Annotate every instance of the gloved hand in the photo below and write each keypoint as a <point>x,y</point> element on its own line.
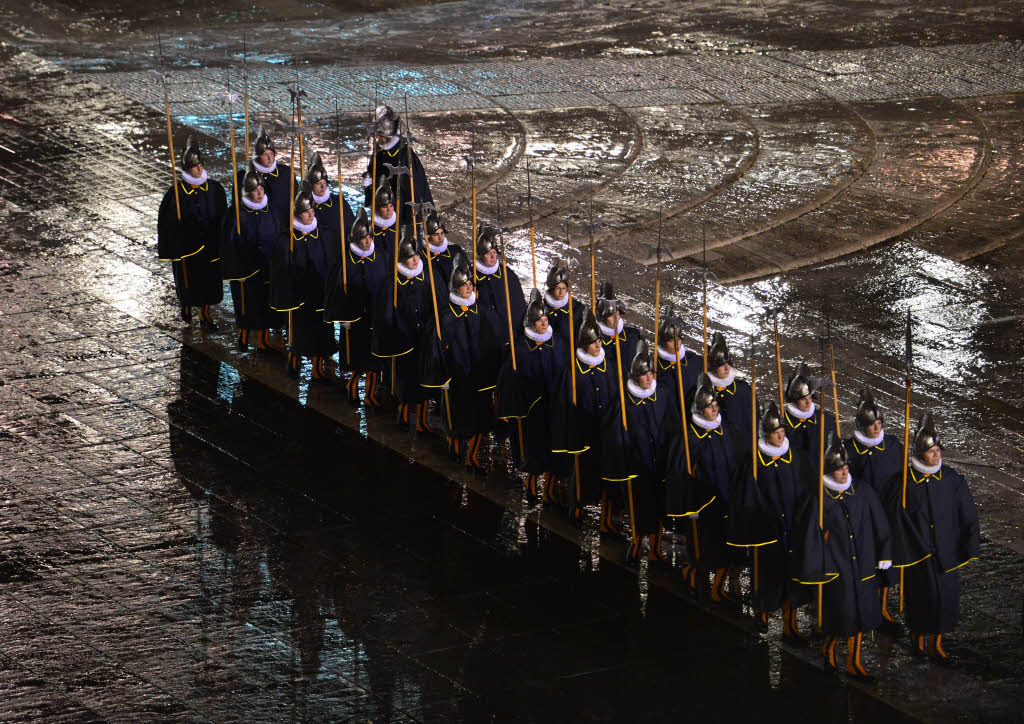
<point>693,516</point>
<point>347,325</point>
<point>884,565</point>
<point>446,386</point>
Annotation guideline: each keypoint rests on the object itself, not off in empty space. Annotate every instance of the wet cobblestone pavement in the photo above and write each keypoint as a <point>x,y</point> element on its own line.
<point>187,534</point>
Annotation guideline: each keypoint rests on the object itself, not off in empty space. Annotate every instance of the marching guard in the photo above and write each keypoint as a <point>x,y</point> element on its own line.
<point>442,252</point>
<point>672,351</point>
<point>398,329</point>
<point>490,286</point>
<point>325,203</point>
<point>350,293</point>
<point>633,454</point>
<point>577,430</point>
<point>733,394</point>
<point>465,362</point>
<point>246,260</point>
<point>527,392</point>
<point>556,296</point>
<point>315,253</point>
<point>876,458</point>
<point>844,553</point>
<point>189,230</point>
<point>803,415</point>
<point>936,533</point>
<point>762,509</point>
<point>393,150</point>
<point>275,176</point>
<point>384,218</point>
<point>699,481</point>
<point>612,323</point>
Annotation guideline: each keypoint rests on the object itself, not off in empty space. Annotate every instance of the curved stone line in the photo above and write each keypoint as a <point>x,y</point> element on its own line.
<point>822,199</point>
<point>586,191</point>
<point>725,183</point>
<point>863,243</point>
<point>497,174</point>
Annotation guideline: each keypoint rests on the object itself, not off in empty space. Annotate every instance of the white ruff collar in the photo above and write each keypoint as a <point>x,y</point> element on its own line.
<point>486,269</point>
<point>554,302</point>
<point>775,452</point>
<point>195,180</point>
<point>607,331</point>
<point>869,441</point>
<point>592,360</point>
<point>832,485</point>
<point>322,199</point>
<point>253,205</point>
<point>706,424</point>
<point>800,414</point>
<point>358,250</point>
<point>459,301</point>
<point>305,228</point>
<point>722,381</point>
<point>385,223</point>
<point>392,143</point>
<point>440,248</point>
<point>637,391</point>
<point>410,273</point>
<point>264,169</point>
<point>920,467</point>
<point>539,338</point>
<point>669,357</point>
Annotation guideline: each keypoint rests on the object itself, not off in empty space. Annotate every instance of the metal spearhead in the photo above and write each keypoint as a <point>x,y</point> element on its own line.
<point>297,94</point>
<point>396,170</point>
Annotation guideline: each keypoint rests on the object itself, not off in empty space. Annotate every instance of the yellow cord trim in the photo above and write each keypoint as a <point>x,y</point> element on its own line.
<point>908,565</point>
<point>831,577</point>
<point>618,480</point>
<point>389,356</point>
<point>573,452</point>
<point>241,279</point>
<point>683,515</point>
<point>962,564</point>
<point>751,545</point>
<point>437,387</point>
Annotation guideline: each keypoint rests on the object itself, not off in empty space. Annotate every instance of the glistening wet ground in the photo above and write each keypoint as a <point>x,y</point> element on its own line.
<point>253,561</point>
<point>871,152</point>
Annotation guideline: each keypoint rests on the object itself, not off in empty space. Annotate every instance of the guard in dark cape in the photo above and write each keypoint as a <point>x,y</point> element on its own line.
<point>803,415</point>
<point>393,150</point>
<point>384,219</point>
<point>490,285</point>
<point>670,351</point>
<point>350,302</point>
<point>934,535</point>
<point>275,176</point>
<point>876,458</point>
<point>315,254</point>
<point>465,361</point>
<point>191,240</point>
<point>733,394</point>
<point>577,430</point>
<point>845,552</point>
<point>635,457</point>
<point>325,203</point>
<point>245,262</point>
<point>442,252</point>
<point>610,311</point>
<point>398,330</point>
<point>557,298</point>
<point>761,514</point>
<point>703,494</point>
<point>526,393</point>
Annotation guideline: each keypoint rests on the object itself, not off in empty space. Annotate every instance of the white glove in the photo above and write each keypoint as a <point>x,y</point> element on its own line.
<point>884,565</point>
<point>367,182</point>
<point>347,325</point>
<point>445,386</point>
<point>693,516</point>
